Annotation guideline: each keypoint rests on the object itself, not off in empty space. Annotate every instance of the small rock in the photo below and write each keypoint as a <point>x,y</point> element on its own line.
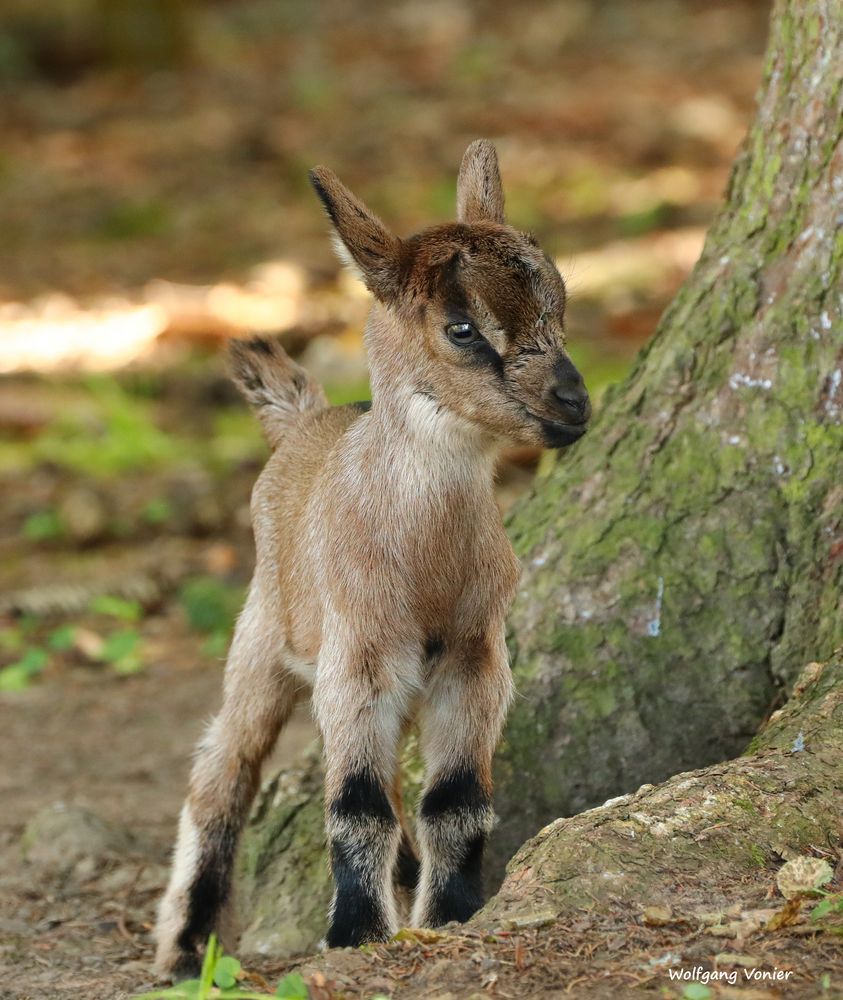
<point>730,958</point>
<point>657,916</point>
<point>83,515</point>
<point>60,837</point>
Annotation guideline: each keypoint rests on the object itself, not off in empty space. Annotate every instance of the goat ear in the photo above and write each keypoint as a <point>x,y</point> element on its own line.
<point>362,240</point>
<point>479,188</point>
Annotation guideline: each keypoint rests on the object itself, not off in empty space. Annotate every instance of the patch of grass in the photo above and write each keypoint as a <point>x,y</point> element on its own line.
<point>119,436</point>
<point>132,219</point>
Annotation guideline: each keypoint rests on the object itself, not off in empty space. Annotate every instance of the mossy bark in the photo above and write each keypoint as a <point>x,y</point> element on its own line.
<point>686,559</point>
<point>699,833</point>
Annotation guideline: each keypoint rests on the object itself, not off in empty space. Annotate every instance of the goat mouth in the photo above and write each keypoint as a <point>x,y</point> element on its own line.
<point>557,434</point>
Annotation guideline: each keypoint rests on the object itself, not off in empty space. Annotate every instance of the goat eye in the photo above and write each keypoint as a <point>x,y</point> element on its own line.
<point>462,334</point>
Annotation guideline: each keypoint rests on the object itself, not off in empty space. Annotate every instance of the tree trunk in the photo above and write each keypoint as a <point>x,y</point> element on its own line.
<point>684,561</point>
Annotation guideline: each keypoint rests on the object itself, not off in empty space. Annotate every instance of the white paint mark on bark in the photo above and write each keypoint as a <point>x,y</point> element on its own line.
<point>738,379</point>
<point>654,627</point>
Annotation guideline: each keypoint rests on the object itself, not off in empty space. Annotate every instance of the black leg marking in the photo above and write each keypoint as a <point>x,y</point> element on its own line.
<point>407,866</point>
<point>462,894</point>
<point>211,887</point>
<point>358,914</point>
<point>456,792</point>
<point>362,795</point>
<point>456,812</point>
<point>365,823</point>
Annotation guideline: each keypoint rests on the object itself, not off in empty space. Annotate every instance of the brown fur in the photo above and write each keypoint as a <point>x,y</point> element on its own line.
<point>383,571</point>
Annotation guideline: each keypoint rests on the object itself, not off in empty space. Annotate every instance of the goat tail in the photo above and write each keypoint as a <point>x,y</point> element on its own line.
<point>276,388</point>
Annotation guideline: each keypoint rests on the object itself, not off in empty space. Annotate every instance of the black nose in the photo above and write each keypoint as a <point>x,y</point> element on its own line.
<point>570,398</point>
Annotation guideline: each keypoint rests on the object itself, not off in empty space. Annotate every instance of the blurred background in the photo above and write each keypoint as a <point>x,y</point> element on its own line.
<point>154,202</point>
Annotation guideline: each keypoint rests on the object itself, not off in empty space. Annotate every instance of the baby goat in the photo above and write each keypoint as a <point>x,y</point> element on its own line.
<point>383,571</point>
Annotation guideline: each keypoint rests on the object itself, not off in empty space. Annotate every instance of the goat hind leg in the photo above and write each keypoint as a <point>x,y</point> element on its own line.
<point>259,695</point>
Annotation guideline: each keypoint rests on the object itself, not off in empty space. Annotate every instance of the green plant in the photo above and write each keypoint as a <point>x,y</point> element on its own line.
<point>116,607</point>
<point>18,676</point>
<point>697,991</point>
<point>43,526</point>
<point>121,651</point>
<point>60,640</point>
<point>211,607</point>
<point>117,433</point>
<point>157,511</point>
<point>220,976</point>
<point>832,903</point>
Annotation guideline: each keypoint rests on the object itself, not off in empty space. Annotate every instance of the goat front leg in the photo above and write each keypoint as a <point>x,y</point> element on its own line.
<point>259,695</point>
<point>360,702</point>
<point>460,723</point>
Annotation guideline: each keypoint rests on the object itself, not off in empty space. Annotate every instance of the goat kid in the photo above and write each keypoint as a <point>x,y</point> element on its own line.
<point>383,572</point>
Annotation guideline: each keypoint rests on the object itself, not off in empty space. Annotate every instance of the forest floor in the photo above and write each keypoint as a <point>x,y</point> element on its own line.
<point>124,538</point>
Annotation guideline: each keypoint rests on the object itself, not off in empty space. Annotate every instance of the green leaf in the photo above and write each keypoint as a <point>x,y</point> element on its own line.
<point>43,526</point>
<point>293,987</point>
<point>206,976</point>
<point>831,904</point>
<point>211,605</point>
<point>116,607</point>
<point>61,639</point>
<point>226,972</point>
<point>216,645</point>
<point>14,678</point>
<point>157,511</point>
<point>120,645</point>
<point>696,991</point>
<point>17,676</point>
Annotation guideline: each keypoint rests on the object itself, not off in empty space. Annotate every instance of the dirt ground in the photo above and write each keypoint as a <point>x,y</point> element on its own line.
<point>119,747</point>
